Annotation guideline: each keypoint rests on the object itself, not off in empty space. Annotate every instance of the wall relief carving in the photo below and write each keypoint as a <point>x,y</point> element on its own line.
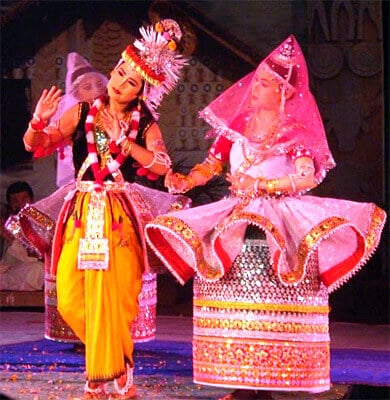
<point>346,63</point>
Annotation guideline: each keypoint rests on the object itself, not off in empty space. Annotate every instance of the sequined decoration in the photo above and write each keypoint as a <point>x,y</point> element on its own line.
<point>94,248</point>
<point>252,331</point>
<point>142,330</point>
<point>42,225</point>
<point>144,326</point>
<point>55,327</point>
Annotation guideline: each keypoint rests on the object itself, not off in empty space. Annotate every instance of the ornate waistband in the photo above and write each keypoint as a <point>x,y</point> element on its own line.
<point>88,186</point>
<point>246,196</point>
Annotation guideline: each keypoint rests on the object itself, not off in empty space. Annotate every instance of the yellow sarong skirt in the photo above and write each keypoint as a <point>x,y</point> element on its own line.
<point>101,305</point>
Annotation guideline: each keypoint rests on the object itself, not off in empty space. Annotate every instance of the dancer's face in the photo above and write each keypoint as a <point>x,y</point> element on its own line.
<point>125,83</point>
<point>265,92</point>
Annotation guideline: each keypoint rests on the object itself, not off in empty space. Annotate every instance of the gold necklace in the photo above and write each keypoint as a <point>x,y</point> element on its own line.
<point>263,138</point>
<point>253,156</point>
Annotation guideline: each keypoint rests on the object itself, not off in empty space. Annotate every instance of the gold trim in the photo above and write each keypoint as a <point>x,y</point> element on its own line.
<point>257,325</point>
<point>237,305</point>
<point>308,243</point>
<point>140,67</point>
<point>377,221</point>
<point>38,217</point>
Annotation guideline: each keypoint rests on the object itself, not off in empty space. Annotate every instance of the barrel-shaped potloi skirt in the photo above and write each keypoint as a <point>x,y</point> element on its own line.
<point>251,331</point>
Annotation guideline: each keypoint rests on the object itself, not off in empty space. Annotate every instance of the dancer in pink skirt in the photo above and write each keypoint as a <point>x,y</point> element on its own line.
<point>265,258</point>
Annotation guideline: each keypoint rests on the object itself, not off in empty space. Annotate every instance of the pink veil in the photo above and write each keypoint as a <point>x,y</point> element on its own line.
<point>302,124</point>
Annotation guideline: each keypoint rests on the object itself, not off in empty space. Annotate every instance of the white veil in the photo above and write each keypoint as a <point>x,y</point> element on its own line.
<point>83,83</point>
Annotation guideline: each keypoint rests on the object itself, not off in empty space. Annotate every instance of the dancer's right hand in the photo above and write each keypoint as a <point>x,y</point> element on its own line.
<point>47,104</point>
<point>176,183</point>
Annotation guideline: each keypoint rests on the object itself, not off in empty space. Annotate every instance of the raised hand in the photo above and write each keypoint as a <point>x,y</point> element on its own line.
<point>47,104</point>
<point>111,124</point>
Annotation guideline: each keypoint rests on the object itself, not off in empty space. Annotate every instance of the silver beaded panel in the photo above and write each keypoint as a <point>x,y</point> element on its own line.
<point>252,331</point>
<point>252,279</point>
<point>252,296</point>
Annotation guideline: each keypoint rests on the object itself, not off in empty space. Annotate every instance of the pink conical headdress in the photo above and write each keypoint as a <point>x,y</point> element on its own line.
<point>300,117</point>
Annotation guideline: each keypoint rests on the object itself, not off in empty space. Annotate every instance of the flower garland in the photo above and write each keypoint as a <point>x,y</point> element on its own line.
<point>116,163</point>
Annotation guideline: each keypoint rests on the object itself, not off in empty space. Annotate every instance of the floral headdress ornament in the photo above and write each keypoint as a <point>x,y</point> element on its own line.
<point>155,57</point>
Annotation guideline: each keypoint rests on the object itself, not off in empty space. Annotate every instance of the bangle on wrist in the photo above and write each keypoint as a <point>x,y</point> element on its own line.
<point>256,185</point>
<point>152,162</point>
<point>292,183</point>
<point>190,182</point>
<point>37,117</point>
<point>271,186</point>
<point>127,145</point>
<point>37,126</point>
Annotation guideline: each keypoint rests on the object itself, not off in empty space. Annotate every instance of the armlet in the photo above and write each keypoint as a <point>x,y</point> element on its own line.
<point>210,167</point>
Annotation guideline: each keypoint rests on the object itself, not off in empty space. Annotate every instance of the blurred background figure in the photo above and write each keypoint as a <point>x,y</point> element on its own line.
<point>83,83</point>
<point>20,268</point>
<point>18,195</point>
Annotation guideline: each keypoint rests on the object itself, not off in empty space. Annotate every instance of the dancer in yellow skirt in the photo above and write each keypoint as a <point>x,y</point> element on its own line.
<point>99,250</point>
<point>105,298</point>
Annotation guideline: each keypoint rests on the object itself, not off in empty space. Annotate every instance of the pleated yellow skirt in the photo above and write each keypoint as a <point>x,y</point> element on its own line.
<point>100,305</point>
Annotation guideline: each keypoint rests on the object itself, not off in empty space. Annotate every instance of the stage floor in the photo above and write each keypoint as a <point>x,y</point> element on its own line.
<point>23,326</point>
<point>26,326</point>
